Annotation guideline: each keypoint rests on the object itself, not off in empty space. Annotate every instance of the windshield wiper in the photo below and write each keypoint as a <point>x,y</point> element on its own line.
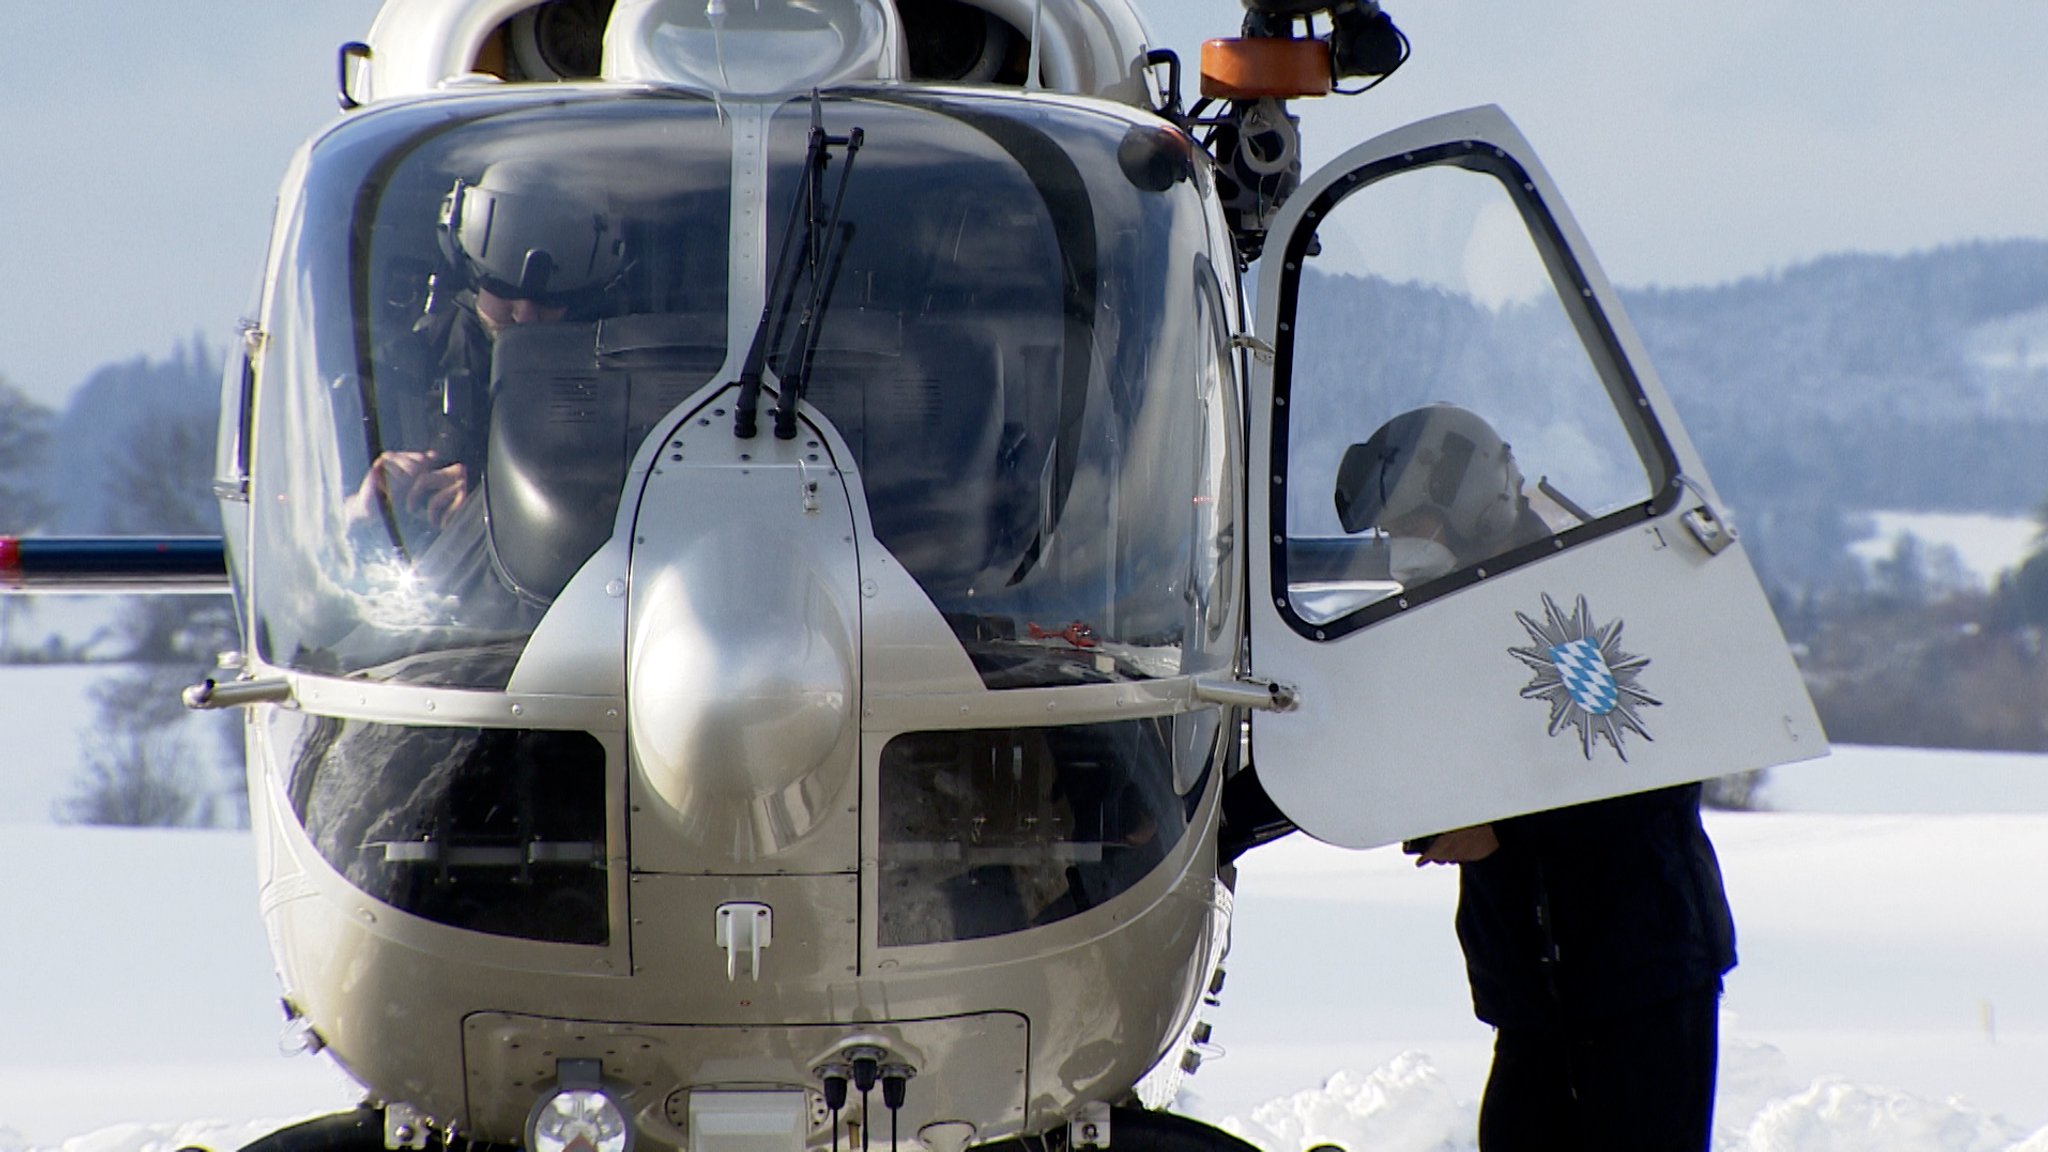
<point>816,260</point>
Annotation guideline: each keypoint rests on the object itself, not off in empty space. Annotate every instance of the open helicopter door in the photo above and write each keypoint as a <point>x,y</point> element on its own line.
<point>1492,570</point>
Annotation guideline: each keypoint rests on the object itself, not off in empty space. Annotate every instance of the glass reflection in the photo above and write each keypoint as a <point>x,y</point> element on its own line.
<point>1492,418</point>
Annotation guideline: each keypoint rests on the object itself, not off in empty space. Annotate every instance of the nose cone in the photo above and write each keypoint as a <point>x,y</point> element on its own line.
<point>741,672</point>
<point>740,690</point>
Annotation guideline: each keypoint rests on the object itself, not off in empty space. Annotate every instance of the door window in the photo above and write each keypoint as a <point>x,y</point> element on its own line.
<point>1454,405</point>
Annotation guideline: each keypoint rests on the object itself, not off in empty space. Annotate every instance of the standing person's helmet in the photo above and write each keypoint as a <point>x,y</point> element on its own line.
<point>1441,459</point>
<point>524,233</point>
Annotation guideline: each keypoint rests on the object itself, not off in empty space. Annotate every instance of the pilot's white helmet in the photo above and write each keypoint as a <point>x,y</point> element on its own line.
<point>1440,458</point>
<point>523,232</point>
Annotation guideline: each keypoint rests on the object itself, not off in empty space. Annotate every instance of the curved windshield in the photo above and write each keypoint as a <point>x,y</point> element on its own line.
<point>497,830</point>
<point>1022,342</point>
<point>1013,322</point>
<point>991,831</point>
<point>480,315</point>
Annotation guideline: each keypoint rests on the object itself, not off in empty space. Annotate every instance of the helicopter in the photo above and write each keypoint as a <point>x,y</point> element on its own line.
<point>784,548</point>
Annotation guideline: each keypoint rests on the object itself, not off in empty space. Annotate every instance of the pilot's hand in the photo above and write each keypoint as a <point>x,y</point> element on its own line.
<point>1462,846</point>
<point>417,484</point>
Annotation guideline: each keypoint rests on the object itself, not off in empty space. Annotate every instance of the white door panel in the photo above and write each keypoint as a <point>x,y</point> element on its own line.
<point>1442,726</point>
<point>1461,444</point>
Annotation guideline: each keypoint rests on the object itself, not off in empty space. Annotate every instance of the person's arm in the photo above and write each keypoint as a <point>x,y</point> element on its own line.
<point>1611,820</point>
<point>416,483</point>
<point>1615,819</point>
<point>1458,846</point>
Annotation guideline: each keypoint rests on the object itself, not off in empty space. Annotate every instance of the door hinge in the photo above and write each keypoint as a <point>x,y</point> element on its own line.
<point>1259,349</point>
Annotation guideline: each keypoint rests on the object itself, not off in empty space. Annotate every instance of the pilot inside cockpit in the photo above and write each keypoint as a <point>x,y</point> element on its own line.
<point>524,244</point>
<point>1442,487</point>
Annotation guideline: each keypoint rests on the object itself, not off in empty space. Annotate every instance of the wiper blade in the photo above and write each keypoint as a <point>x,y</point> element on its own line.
<point>816,260</point>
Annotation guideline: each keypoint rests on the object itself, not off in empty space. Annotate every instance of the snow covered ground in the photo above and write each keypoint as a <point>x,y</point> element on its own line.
<point>1985,545</point>
<point>1890,994</point>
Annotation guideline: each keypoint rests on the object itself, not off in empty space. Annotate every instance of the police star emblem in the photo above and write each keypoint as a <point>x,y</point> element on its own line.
<point>1582,673</point>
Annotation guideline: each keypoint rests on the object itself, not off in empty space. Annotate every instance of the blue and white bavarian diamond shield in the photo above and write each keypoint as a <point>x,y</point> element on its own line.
<point>1585,675</point>
<point>1590,684</point>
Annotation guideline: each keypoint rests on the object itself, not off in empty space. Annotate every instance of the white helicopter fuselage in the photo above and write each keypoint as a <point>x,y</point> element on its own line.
<point>717,795</point>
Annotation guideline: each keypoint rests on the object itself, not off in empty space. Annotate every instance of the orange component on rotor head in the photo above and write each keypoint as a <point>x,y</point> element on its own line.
<point>1255,67</point>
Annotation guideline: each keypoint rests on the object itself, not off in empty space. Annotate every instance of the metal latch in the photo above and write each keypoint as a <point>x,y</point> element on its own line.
<point>1707,527</point>
<point>745,927</point>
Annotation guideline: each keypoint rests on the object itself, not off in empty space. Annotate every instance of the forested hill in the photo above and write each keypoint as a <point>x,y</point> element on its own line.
<point>1815,394</point>
<point>1862,382</point>
<point>1937,336</point>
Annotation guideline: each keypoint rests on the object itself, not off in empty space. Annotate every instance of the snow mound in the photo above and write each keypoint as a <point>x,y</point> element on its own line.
<point>1835,1116</point>
<point>1402,1106</point>
<point>211,1135</point>
<point>1406,1106</point>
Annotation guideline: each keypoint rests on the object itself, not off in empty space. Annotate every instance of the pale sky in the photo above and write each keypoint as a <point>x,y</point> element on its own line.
<point>1696,143</point>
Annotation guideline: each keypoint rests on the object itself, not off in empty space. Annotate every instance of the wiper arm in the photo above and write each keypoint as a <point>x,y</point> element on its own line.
<point>824,269</point>
<point>817,258</point>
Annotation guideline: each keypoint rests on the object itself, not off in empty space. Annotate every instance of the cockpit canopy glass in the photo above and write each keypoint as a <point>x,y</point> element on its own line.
<point>424,235</point>
<point>1020,343</point>
<point>1025,347</point>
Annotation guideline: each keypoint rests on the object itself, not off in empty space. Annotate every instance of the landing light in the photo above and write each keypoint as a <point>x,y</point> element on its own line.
<point>579,1115</point>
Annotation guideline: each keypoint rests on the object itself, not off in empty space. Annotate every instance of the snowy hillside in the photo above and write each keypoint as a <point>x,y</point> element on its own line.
<point>1890,993</point>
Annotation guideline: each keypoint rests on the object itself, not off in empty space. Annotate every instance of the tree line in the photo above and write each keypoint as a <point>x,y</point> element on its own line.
<point>146,426</point>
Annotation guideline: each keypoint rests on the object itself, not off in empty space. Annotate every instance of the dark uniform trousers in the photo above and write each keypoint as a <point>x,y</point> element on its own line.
<point>1641,1081</point>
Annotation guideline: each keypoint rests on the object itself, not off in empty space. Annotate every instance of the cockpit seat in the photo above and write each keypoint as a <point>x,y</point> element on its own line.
<point>921,402</point>
<point>570,405</point>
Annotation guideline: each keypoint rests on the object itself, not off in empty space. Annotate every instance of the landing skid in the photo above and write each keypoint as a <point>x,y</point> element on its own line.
<point>1139,1130</point>
<point>1130,1130</point>
<point>358,1130</point>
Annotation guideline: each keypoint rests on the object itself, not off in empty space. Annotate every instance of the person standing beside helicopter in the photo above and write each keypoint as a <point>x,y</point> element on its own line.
<point>1595,940</point>
<point>1595,936</point>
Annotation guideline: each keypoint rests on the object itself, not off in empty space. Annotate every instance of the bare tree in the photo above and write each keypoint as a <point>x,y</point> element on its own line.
<point>152,761</point>
<point>133,779</point>
<point>24,436</point>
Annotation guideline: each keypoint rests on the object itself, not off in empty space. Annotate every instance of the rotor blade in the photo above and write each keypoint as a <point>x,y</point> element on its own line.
<point>126,564</point>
